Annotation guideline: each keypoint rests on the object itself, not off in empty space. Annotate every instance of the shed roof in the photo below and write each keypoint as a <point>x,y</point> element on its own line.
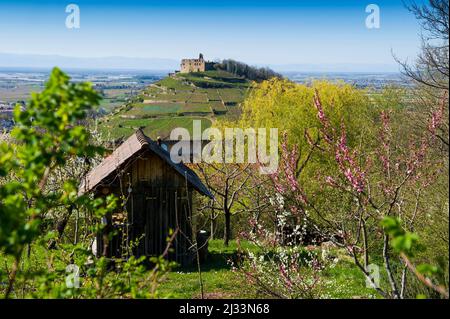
<point>132,146</point>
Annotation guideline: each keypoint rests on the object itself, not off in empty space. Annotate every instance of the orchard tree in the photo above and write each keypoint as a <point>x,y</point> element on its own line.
<point>383,184</point>
<point>380,208</point>
<point>227,183</point>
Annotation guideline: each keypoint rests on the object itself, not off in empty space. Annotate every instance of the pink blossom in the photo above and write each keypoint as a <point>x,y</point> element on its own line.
<point>285,276</point>
<point>437,117</point>
<point>330,181</point>
<point>285,179</point>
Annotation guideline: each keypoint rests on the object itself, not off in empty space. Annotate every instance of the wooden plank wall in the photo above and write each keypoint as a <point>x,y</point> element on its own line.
<point>160,202</point>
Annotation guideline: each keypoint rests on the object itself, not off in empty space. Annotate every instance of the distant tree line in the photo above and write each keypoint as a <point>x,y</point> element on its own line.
<point>247,71</point>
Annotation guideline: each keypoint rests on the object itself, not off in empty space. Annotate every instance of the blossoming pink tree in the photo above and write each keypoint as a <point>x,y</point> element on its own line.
<point>384,182</point>
<point>284,267</point>
<point>377,180</point>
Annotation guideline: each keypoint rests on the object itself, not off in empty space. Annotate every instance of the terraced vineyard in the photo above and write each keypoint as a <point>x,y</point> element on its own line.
<point>176,101</point>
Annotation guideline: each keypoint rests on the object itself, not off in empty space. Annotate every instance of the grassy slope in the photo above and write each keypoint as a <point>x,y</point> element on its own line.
<point>219,280</point>
<point>343,280</point>
<point>176,102</point>
<point>153,127</point>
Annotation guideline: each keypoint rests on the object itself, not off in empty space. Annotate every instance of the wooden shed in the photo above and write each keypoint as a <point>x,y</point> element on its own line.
<point>156,197</point>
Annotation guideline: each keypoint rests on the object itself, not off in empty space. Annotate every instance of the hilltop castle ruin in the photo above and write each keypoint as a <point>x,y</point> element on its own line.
<point>195,65</point>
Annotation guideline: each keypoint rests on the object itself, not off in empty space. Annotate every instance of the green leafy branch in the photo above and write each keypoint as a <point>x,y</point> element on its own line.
<point>404,243</point>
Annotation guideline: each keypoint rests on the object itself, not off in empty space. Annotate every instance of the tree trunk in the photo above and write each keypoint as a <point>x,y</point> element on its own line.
<point>387,264</point>
<point>227,232</point>
<point>75,240</point>
<point>366,246</point>
<point>60,227</point>
<point>212,225</point>
<point>12,276</point>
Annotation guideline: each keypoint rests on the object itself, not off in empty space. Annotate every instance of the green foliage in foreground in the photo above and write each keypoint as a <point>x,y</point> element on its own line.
<point>46,136</point>
<point>407,244</point>
<point>49,134</point>
<point>50,274</point>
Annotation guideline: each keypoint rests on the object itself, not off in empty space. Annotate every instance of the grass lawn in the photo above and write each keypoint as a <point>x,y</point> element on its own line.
<point>343,280</point>
<point>346,281</point>
<point>219,280</point>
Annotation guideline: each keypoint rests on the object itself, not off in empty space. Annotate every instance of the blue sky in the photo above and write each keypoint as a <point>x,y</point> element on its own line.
<point>258,32</point>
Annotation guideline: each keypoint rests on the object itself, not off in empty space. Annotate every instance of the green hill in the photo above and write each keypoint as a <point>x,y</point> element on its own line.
<point>176,101</point>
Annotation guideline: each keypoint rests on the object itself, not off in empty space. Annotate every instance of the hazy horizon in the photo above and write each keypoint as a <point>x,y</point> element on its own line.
<point>33,61</point>
<point>285,35</point>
